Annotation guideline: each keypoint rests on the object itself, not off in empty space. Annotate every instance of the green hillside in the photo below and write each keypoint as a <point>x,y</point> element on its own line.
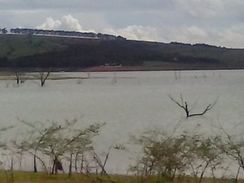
<point>29,51</point>
<point>13,46</point>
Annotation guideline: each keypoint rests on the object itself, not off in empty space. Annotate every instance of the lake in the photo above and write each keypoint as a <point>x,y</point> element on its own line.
<point>129,103</point>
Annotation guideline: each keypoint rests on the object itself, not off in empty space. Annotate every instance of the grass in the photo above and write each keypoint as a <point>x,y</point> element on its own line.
<point>29,177</point>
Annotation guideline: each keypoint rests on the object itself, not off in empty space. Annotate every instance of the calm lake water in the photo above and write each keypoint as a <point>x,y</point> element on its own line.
<point>129,103</point>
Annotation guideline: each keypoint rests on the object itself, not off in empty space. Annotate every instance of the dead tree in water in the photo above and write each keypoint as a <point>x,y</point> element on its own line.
<point>18,76</point>
<point>184,105</point>
<point>43,77</point>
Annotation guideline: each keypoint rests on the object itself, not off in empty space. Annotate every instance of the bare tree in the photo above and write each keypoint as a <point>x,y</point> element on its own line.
<point>177,75</point>
<point>43,77</point>
<point>17,74</point>
<point>19,79</point>
<point>184,105</point>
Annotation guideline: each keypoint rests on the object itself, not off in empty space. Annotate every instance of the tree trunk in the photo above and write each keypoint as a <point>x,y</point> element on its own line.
<point>43,78</point>
<point>237,174</point>
<point>52,172</point>
<point>12,170</point>
<point>17,78</point>
<point>82,163</point>
<point>203,172</point>
<point>70,165</point>
<point>76,162</point>
<point>35,165</point>
<point>54,166</point>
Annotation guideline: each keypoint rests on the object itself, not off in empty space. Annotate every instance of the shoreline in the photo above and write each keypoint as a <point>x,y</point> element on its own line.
<point>118,69</point>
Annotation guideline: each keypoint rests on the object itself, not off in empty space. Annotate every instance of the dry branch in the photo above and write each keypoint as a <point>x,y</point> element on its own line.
<point>184,105</point>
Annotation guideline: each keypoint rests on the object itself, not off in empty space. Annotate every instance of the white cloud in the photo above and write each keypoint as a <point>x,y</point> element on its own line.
<point>229,37</point>
<point>70,23</point>
<point>215,22</point>
<point>66,22</point>
<point>50,23</point>
<point>191,34</point>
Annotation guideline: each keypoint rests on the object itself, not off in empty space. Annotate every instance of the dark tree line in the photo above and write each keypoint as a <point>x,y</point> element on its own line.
<point>96,53</point>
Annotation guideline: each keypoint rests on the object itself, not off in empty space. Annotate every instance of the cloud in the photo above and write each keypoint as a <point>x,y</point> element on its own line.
<point>70,23</point>
<point>230,37</point>
<point>136,32</point>
<point>188,34</point>
<point>50,23</point>
<point>200,8</point>
<point>66,22</point>
<point>85,5</point>
<point>217,22</point>
<point>210,10</point>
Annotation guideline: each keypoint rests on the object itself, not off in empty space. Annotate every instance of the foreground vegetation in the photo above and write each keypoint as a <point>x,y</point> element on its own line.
<point>62,152</point>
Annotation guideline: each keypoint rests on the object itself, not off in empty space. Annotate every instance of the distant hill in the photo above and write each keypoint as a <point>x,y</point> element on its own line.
<point>38,52</point>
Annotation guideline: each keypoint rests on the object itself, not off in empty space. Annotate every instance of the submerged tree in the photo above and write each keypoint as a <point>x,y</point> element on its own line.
<point>43,77</point>
<point>185,106</point>
<point>17,74</point>
<point>19,78</point>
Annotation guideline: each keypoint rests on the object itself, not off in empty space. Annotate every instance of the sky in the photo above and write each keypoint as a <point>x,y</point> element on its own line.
<point>215,22</point>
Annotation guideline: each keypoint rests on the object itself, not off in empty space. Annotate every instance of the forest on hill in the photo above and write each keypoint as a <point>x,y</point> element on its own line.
<point>62,53</point>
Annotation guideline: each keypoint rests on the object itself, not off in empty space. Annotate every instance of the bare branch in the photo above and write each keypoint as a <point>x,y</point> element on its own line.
<point>176,102</point>
<point>185,107</point>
